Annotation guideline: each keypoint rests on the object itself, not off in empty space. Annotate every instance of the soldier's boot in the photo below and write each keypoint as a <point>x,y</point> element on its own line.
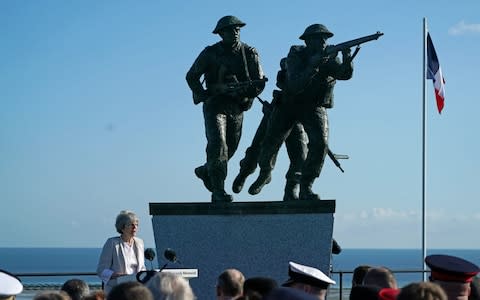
<point>306,192</point>
<point>201,172</point>
<point>291,191</point>
<point>238,182</point>
<point>247,166</point>
<point>263,178</point>
<point>218,194</point>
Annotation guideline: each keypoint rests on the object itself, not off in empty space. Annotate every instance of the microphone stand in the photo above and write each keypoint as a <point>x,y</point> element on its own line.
<point>164,266</point>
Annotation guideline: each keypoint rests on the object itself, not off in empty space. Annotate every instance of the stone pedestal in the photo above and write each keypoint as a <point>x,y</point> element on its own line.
<point>257,238</point>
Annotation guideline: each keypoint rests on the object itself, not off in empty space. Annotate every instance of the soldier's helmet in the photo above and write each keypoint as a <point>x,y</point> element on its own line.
<point>316,29</point>
<point>228,21</point>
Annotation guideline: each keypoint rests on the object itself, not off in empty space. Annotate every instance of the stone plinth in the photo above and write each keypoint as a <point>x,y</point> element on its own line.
<point>258,238</point>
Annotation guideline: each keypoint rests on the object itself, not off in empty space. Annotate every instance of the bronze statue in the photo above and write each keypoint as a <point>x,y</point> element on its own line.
<point>233,78</point>
<point>311,73</point>
<point>296,144</point>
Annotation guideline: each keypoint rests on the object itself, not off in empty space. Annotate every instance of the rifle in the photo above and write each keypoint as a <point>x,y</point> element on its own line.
<point>335,157</point>
<point>332,49</point>
<point>234,86</point>
<point>267,108</point>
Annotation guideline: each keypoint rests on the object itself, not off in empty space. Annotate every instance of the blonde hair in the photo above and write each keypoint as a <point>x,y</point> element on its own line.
<point>169,286</point>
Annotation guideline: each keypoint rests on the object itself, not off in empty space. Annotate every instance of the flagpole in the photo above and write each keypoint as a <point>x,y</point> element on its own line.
<point>424,150</point>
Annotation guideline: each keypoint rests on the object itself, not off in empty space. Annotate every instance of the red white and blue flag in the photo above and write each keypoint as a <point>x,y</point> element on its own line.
<point>434,72</point>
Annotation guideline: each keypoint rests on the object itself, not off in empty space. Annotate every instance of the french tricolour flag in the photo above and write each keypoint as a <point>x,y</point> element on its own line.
<point>434,72</point>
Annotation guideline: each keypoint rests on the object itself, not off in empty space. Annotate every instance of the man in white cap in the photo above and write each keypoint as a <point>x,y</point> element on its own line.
<point>10,285</point>
<point>308,279</point>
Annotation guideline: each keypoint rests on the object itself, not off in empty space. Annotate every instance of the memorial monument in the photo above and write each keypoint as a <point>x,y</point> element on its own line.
<point>258,238</point>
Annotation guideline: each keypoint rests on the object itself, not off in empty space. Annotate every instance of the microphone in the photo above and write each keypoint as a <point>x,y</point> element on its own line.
<point>170,255</point>
<point>149,254</point>
<point>144,276</point>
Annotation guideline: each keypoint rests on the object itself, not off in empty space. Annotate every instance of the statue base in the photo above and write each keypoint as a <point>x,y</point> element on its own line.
<point>257,238</point>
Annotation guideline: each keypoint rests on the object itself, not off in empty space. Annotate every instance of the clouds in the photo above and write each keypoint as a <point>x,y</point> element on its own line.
<point>397,228</point>
<point>377,214</point>
<point>462,28</point>
<point>389,214</point>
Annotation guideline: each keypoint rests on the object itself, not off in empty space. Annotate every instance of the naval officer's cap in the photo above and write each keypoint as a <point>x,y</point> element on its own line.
<point>308,275</point>
<point>10,285</point>
<point>451,268</point>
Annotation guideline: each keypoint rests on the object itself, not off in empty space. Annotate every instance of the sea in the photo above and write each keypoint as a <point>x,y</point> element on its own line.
<point>84,260</point>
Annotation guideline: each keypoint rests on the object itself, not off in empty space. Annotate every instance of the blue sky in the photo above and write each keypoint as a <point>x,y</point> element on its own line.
<point>96,116</point>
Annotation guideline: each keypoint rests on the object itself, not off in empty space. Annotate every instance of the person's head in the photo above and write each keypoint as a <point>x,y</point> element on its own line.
<point>77,289</point>
<point>380,276</point>
<point>422,291</point>
<point>315,36</point>
<point>308,279</point>
<point>127,223</point>
<point>131,290</point>
<point>258,287</point>
<point>453,274</point>
<point>230,284</point>
<point>52,295</point>
<point>358,274</point>
<point>169,286</point>
<point>10,285</point>
<point>228,27</point>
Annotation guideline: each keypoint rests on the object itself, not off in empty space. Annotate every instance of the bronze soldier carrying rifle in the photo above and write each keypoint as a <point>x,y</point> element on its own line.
<point>233,78</point>
<point>311,74</point>
<point>296,144</point>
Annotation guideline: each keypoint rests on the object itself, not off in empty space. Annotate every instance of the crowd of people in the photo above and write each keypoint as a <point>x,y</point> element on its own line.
<point>123,258</point>
<point>451,278</point>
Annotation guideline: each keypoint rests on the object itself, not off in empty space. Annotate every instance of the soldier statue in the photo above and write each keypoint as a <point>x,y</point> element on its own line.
<point>296,144</point>
<point>311,73</point>
<point>233,78</point>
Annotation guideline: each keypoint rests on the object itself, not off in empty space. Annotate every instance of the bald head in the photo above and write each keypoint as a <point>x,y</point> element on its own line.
<point>381,277</point>
<point>230,284</point>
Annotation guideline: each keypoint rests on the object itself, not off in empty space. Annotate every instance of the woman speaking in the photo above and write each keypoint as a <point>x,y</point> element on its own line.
<point>121,255</point>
